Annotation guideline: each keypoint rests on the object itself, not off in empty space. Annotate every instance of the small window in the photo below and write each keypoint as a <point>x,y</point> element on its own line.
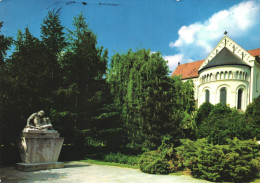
<point>230,75</point>
<point>240,75</point>
<point>207,95</point>
<point>239,99</point>
<point>223,96</point>
<point>221,75</point>
<point>226,75</point>
<point>217,76</point>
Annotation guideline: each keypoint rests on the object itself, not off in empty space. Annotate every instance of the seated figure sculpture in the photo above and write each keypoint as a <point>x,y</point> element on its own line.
<point>37,121</point>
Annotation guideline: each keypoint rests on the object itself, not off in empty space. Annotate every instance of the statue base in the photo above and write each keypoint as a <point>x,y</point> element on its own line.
<point>38,166</point>
<point>40,150</point>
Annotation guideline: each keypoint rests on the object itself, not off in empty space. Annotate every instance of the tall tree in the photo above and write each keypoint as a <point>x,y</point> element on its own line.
<point>84,99</point>
<point>85,67</point>
<point>150,101</point>
<point>52,34</point>
<point>5,80</point>
<point>24,85</point>
<point>5,43</point>
<point>53,40</point>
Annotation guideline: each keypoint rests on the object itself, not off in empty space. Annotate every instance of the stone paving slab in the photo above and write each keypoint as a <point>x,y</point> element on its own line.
<point>84,172</point>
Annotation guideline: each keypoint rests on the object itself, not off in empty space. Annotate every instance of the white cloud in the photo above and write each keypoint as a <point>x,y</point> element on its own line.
<point>198,39</point>
<point>173,60</point>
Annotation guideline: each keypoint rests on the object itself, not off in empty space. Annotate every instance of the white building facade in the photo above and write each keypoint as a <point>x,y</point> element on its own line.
<point>229,75</point>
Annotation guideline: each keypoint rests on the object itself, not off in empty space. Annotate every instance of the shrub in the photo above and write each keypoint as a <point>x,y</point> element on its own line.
<point>203,112</point>
<point>160,161</point>
<point>223,123</point>
<point>252,116</point>
<point>188,126</point>
<point>121,158</point>
<point>253,111</point>
<point>238,161</point>
<point>220,110</point>
<point>154,162</point>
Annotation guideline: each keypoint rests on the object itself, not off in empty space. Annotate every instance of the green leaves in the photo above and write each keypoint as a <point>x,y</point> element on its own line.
<point>52,34</point>
<point>219,122</point>
<point>151,101</point>
<point>5,43</point>
<point>63,74</point>
<point>237,161</point>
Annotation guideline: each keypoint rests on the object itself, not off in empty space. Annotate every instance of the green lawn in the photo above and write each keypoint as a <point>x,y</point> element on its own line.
<point>99,162</point>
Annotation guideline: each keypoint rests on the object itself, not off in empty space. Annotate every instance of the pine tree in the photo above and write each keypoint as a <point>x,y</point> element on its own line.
<point>5,43</point>
<point>23,85</point>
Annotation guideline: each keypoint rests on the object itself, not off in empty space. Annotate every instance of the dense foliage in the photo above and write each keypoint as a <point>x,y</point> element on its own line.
<point>203,112</point>
<point>154,162</point>
<point>5,43</point>
<point>152,104</point>
<point>121,158</point>
<point>129,107</point>
<point>252,117</point>
<point>237,161</point>
<point>219,122</point>
<point>160,161</point>
<point>63,74</point>
<point>214,157</point>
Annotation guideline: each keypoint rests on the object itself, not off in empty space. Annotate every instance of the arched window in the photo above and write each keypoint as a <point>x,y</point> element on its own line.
<point>223,96</point>
<point>230,75</point>
<point>217,76</point>
<point>240,75</point>
<point>237,76</point>
<point>226,75</point>
<point>239,99</point>
<point>207,95</point>
<point>221,75</point>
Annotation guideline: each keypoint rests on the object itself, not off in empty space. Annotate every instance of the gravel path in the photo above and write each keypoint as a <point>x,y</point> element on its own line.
<point>84,172</point>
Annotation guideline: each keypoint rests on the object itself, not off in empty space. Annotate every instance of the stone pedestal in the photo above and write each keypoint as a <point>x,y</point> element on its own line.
<point>40,150</point>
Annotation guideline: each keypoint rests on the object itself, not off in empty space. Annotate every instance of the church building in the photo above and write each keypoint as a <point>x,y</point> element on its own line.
<point>229,75</point>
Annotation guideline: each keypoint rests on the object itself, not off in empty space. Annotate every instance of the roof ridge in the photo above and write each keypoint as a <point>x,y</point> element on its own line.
<point>191,68</point>
<point>224,57</point>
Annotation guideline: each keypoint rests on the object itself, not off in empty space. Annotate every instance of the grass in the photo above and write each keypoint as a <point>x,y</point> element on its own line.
<point>257,180</point>
<point>177,173</point>
<point>99,162</point>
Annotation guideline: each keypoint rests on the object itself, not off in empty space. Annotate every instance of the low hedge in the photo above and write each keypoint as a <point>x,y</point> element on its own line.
<point>160,161</point>
<point>121,158</point>
<point>237,161</point>
<point>154,162</point>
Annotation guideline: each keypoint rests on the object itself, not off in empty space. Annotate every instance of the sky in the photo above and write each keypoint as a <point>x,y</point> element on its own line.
<point>182,30</point>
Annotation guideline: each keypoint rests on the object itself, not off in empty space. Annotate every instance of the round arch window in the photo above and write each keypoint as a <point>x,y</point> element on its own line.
<point>223,96</point>
<point>239,98</point>
<point>207,95</point>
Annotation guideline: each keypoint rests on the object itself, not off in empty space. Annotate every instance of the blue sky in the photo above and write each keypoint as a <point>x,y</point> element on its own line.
<point>182,30</point>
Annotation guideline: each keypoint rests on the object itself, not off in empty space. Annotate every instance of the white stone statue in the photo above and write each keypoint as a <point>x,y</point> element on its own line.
<point>37,121</point>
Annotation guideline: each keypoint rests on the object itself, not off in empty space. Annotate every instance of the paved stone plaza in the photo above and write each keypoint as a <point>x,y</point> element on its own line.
<point>84,172</point>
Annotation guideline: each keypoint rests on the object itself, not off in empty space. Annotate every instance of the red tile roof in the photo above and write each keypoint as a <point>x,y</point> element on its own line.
<point>255,52</point>
<point>190,70</point>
